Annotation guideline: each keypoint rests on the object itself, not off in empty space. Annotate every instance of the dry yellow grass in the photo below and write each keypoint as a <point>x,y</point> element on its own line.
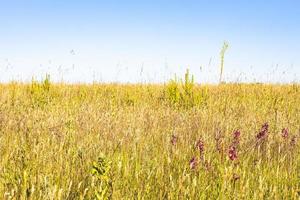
<point>114,141</point>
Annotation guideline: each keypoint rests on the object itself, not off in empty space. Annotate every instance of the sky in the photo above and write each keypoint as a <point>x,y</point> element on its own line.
<point>149,41</point>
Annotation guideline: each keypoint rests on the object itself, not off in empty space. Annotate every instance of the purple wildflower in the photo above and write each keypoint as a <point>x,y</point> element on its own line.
<point>285,133</point>
<point>236,134</point>
<point>232,152</point>
<point>200,146</point>
<point>236,138</point>
<point>263,131</point>
<point>193,163</point>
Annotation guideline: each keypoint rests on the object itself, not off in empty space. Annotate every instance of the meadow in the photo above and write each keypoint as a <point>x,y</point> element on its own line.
<point>178,140</point>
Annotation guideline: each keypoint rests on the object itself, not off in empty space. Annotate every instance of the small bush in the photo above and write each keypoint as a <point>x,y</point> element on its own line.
<point>183,93</point>
<point>39,91</point>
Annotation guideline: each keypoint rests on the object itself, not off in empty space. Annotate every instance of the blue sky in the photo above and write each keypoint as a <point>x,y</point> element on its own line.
<point>149,41</point>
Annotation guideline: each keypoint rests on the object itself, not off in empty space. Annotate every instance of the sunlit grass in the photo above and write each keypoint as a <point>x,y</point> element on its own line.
<point>170,141</point>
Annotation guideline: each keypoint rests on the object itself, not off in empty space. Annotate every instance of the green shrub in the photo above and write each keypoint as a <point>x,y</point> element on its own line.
<point>39,91</point>
<point>183,93</point>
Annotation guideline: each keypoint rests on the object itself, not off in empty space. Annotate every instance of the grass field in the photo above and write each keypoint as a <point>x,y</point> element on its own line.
<point>177,140</point>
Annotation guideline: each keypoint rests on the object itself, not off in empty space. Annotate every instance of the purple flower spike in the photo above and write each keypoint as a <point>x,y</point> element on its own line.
<point>232,153</point>
<point>236,138</point>
<point>285,133</point>
<point>200,146</point>
<point>193,163</point>
<point>237,134</point>
<point>263,131</point>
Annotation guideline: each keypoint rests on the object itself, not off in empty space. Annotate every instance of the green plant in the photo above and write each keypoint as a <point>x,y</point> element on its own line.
<point>40,91</point>
<point>101,172</point>
<point>182,93</point>
<point>173,91</point>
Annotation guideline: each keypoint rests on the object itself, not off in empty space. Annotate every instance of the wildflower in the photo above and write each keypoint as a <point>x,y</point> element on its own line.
<point>200,146</point>
<point>232,153</point>
<point>263,131</point>
<point>236,137</point>
<point>285,133</point>
<point>193,163</point>
<point>237,134</point>
<point>174,140</point>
